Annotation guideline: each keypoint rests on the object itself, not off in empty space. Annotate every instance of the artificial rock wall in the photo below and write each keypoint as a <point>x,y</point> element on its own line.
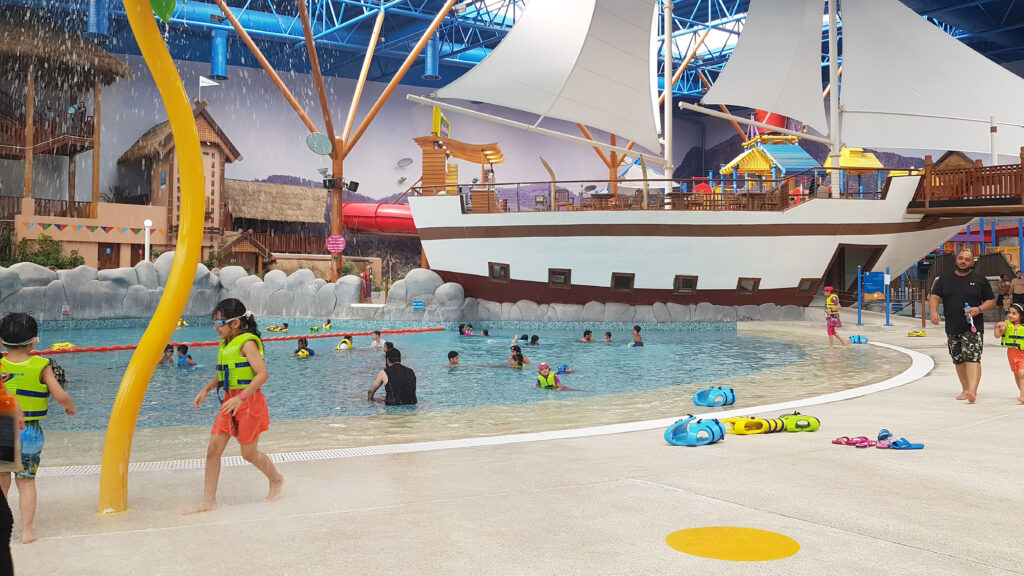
<point>85,293</point>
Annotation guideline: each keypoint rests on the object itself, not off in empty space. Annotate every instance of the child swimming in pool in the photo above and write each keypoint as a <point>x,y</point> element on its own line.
<point>168,357</point>
<point>516,358</point>
<point>303,346</point>
<point>546,378</point>
<point>184,358</point>
<point>638,340</point>
<point>243,411</point>
<point>1011,332</point>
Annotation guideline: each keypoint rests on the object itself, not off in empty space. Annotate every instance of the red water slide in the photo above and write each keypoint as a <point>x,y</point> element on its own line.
<point>384,218</point>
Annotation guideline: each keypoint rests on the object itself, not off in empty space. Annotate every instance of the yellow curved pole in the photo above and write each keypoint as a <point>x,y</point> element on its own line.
<point>125,413</point>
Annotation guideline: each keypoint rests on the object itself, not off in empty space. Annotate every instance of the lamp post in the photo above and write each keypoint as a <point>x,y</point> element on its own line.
<point>148,224</point>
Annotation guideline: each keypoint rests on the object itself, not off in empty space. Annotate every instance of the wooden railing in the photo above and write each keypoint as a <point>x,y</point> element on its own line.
<point>10,206</point>
<point>61,208</point>
<point>48,132</point>
<point>291,243</point>
<point>981,184</point>
<point>720,194</point>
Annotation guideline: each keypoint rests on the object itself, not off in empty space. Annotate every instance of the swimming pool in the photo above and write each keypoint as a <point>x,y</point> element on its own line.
<point>334,383</point>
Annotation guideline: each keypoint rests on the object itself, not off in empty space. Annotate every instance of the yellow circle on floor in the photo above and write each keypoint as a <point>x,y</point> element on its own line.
<point>733,543</point>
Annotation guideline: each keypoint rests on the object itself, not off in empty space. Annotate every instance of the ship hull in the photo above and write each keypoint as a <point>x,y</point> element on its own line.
<point>725,250</point>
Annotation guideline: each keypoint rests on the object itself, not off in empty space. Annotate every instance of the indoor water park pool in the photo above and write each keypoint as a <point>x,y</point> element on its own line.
<point>333,383</point>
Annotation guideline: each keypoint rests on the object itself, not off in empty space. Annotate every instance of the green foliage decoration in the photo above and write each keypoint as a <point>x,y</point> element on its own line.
<point>47,252</point>
<point>163,8</point>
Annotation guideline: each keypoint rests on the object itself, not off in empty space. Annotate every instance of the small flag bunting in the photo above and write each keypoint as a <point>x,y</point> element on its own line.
<point>61,226</point>
<point>79,228</point>
<point>93,228</point>
<point>136,230</point>
<point>124,230</point>
<point>31,224</point>
<point>46,226</point>
<point>106,229</point>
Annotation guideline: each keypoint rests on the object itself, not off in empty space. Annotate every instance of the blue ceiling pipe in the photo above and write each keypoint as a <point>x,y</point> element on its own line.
<point>432,56</point>
<point>219,55</point>
<point>99,22</point>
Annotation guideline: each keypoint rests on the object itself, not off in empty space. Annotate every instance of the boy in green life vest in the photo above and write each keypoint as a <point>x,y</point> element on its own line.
<point>32,381</point>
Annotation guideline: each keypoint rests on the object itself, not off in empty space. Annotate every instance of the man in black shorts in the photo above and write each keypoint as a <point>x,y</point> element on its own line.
<point>966,296</point>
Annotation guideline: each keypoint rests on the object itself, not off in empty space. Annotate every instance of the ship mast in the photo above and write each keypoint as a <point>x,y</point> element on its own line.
<point>666,131</point>
<point>833,99</point>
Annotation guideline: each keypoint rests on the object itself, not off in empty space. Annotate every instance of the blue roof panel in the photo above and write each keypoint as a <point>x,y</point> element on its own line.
<point>791,158</point>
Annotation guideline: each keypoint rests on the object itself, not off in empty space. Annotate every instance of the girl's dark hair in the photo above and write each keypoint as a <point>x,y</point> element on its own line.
<point>389,345</point>
<point>183,348</point>
<point>524,337</point>
<point>303,342</point>
<point>233,308</point>
<point>517,349</point>
<point>534,339</point>
<point>168,348</point>
<point>1019,307</point>
<point>518,358</point>
<point>18,327</point>
<point>461,328</point>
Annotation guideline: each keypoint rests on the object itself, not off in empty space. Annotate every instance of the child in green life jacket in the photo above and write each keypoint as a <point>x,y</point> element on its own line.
<point>32,381</point>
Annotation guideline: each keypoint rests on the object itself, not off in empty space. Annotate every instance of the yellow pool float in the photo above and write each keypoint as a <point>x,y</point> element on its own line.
<point>746,425</point>
<point>63,346</point>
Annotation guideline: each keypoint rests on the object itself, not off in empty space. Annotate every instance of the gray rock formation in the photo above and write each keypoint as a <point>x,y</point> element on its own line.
<point>135,292</point>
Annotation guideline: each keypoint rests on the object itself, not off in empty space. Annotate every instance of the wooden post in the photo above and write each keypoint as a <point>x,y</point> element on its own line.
<point>94,208</point>
<point>924,306</point>
<point>72,164</point>
<point>1020,185</point>
<point>30,112</point>
<point>927,181</point>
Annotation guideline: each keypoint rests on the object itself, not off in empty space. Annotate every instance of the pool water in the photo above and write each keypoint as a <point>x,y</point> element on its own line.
<point>334,383</point>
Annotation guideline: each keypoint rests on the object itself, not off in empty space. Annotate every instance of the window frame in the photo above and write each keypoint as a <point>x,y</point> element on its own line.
<point>500,266</point>
<point>815,283</point>
<point>742,292</point>
<point>675,280</point>
<point>632,282</point>
<point>568,278</point>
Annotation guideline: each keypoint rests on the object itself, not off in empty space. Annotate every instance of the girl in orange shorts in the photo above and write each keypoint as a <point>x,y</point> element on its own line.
<point>241,372</point>
<point>1011,333</point>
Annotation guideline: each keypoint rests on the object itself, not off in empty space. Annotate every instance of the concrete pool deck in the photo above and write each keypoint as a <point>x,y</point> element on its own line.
<point>594,505</point>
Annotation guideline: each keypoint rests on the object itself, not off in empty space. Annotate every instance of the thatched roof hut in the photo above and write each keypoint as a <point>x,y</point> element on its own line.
<point>159,140</point>
<point>64,59</point>
<point>275,202</point>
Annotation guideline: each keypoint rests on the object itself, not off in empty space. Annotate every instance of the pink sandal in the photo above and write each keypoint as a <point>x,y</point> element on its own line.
<point>866,443</point>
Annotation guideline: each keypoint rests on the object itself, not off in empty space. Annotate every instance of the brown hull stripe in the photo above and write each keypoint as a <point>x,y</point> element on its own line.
<point>482,288</point>
<point>687,230</point>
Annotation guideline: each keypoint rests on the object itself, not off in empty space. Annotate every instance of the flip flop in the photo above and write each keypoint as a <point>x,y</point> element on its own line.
<point>904,444</point>
<point>847,441</point>
<point>866,444</point>
<point>884,444</point>
<point>884,434</point>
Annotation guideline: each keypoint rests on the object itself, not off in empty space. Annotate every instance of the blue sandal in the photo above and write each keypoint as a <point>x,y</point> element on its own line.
<point>693,432</point>
<point>718,396</point>
<point>904,444</point>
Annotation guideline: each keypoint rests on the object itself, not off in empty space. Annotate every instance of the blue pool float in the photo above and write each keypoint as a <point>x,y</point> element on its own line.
<point>857,339</point>
<point>717,396</point>
<point>693,432</point>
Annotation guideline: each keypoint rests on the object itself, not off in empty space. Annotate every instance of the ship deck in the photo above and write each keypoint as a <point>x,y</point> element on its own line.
<point>598,504</point>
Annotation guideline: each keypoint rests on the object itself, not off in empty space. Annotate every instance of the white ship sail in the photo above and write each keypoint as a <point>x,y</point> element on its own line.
<point>776,65</point>
<point>586,61</point>
<point>903,83</point>
<point>908,84</point>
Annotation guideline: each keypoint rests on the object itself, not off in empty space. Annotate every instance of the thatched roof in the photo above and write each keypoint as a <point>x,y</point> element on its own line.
<point>64,57</point>
<point>275,202</point>
<point>159,140</point>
